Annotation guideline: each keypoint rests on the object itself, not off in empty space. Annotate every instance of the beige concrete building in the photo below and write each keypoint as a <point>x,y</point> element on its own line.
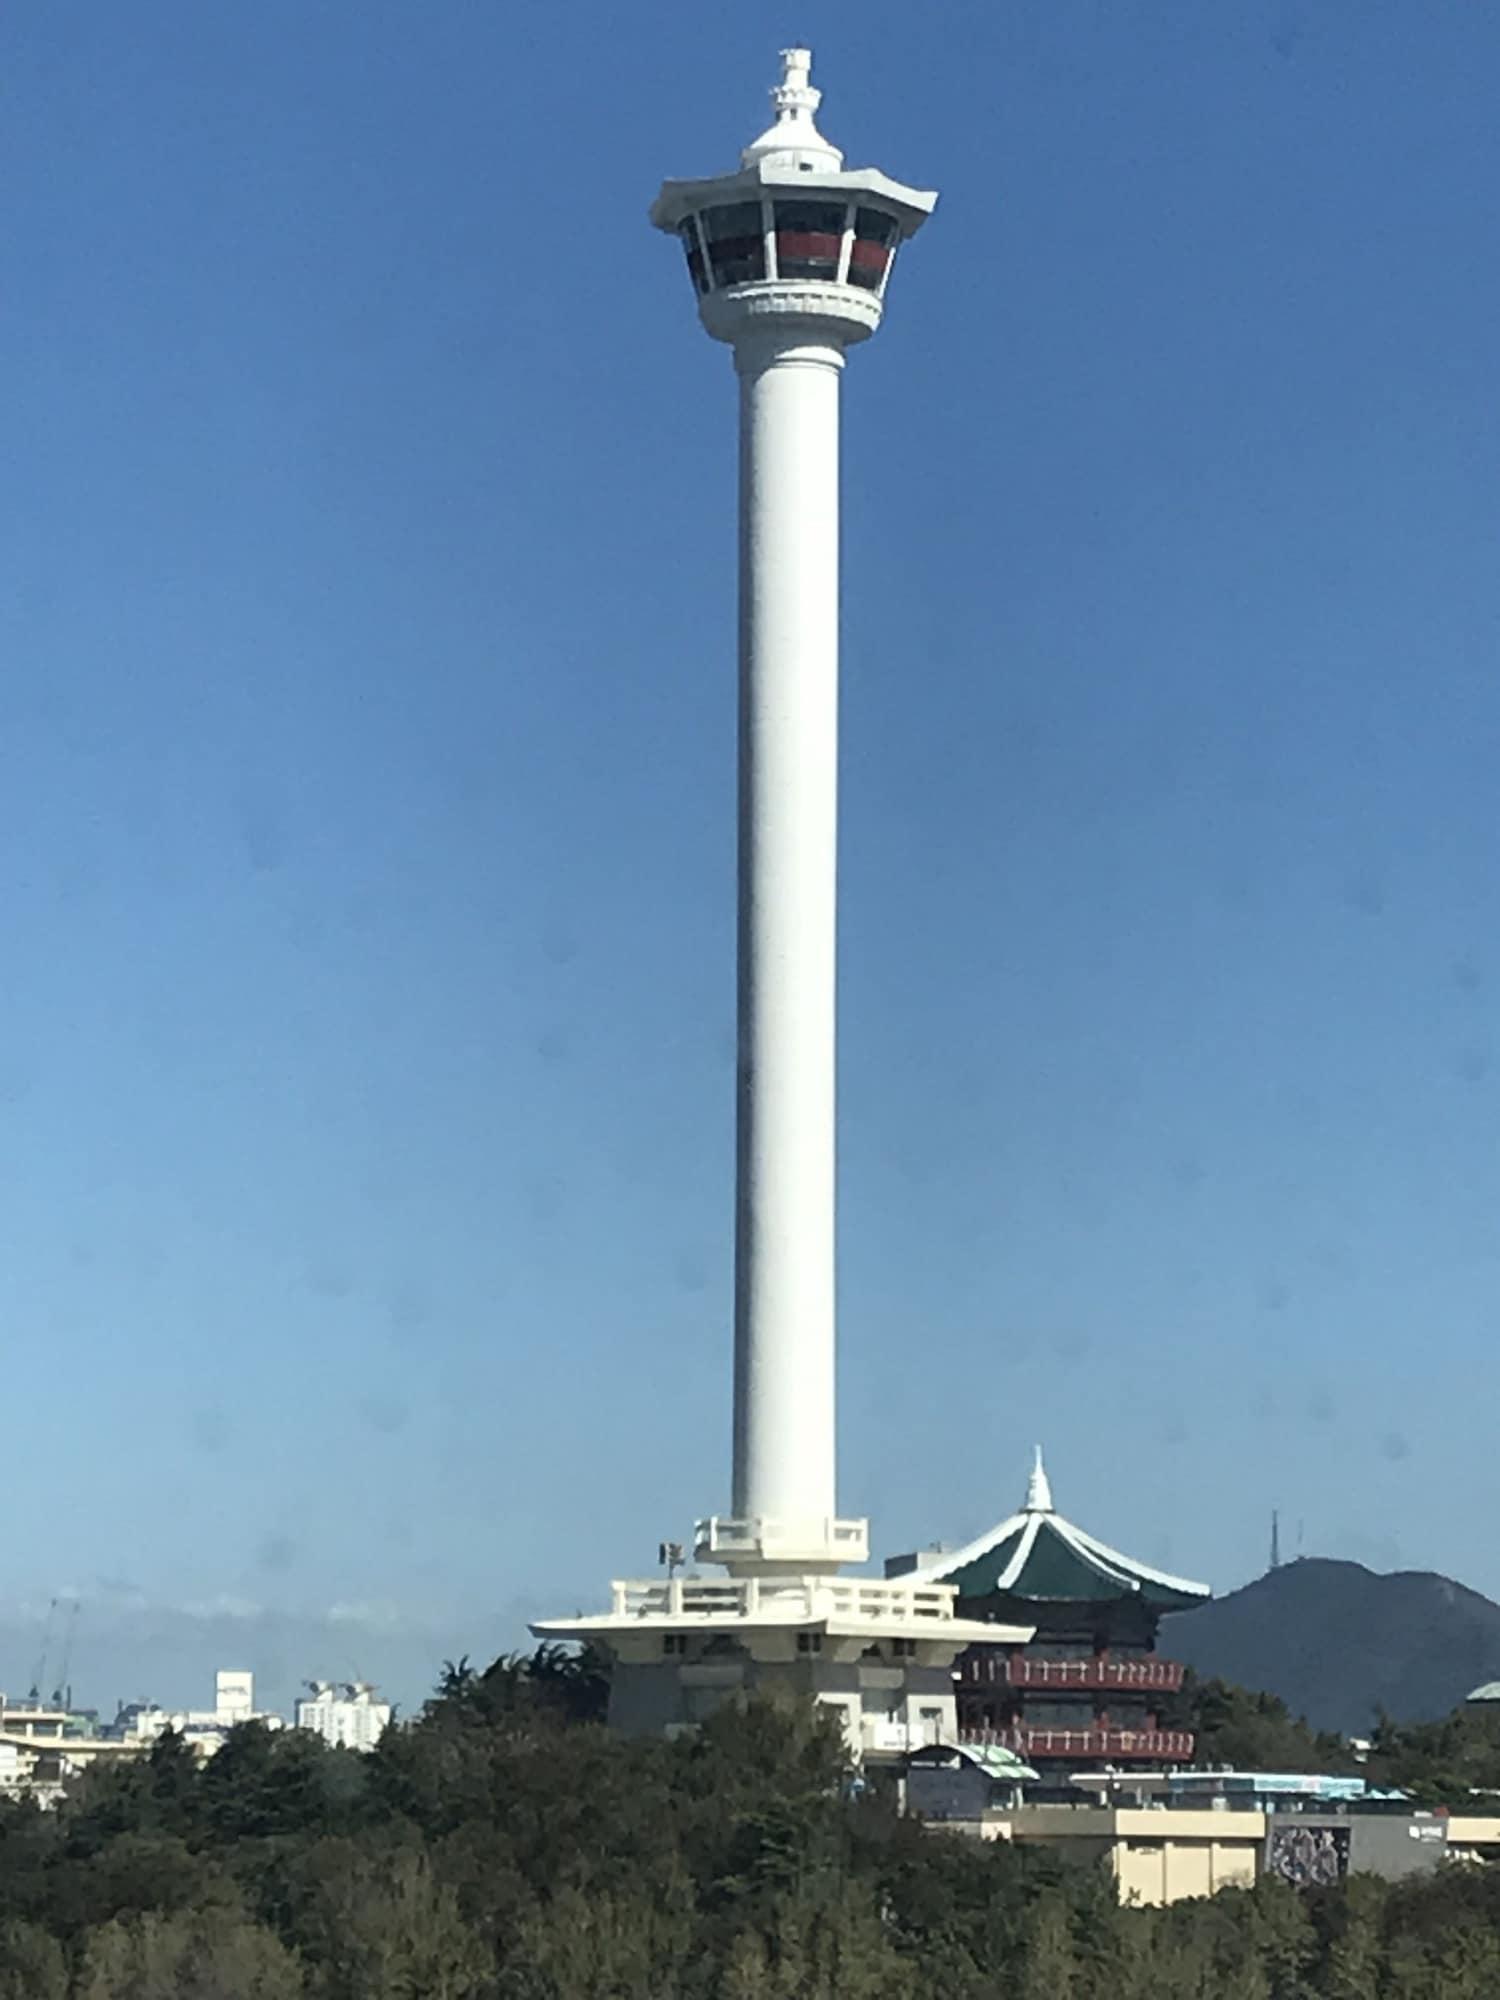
<point>1154,1857</point>
<point>1157,1855</point>
<point>1473,1837</point>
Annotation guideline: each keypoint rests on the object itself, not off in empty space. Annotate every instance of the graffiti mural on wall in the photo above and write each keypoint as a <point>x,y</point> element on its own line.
<point>1309,1856</point>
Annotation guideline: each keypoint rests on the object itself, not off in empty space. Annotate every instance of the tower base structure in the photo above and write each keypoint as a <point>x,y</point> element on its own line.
<point>879,1653</point>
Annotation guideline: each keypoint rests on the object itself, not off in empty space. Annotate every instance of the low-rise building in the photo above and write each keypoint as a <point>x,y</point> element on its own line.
<point>203,1728</point>
<point>22,1720</point>
<point>42,1748</point>
<point>15,1770</point>
<point>968,1785</point>
<point>1473,1836</point>
<point>1154,1856</point>
<point>1164,1836</point>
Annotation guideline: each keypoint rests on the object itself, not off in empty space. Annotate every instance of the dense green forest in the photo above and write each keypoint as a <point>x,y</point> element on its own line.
<point>1439,1763</point>
<point>1251,1732</point>
<point>504,1846</point>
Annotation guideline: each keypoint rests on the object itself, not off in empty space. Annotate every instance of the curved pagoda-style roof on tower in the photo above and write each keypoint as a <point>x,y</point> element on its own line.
<point>1039,1555</point>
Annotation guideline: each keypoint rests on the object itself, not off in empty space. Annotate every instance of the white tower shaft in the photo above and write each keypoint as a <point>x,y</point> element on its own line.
<point>789,258</point>
<point>784,1444</point>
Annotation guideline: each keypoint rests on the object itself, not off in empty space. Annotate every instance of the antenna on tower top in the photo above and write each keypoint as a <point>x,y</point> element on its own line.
<point>795,139</point>
<point>795,91</point>
<point>1275,1538</point>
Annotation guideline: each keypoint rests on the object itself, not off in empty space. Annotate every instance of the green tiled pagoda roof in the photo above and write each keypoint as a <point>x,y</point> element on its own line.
<point>1039,1556</point>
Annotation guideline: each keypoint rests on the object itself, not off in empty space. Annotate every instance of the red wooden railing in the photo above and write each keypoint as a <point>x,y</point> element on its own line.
<point>1167,1746</point>
<point>1159,1676</point>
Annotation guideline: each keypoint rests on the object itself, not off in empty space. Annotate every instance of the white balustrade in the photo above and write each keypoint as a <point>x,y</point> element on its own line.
<point>789,1600</point>
<point>772,1538</point>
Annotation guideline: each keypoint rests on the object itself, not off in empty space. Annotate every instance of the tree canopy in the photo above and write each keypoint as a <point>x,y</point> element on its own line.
<point>504,1846</point>
<point>1245,1731</point>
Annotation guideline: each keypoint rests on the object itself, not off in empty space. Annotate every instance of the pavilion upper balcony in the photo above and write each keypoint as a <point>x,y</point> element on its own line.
<point>1159,1746</point>
<point>1020,1670</point>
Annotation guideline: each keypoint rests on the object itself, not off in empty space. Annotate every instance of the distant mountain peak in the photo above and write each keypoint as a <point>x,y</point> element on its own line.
<point>1341,1643</point>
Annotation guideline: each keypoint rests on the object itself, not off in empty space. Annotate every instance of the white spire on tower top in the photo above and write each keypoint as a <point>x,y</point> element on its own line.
<point>794,140</point>
<point>1038,1488</point>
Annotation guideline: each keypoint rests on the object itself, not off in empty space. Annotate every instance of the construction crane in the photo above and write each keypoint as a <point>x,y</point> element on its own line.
<point>39,1671</point>
<point>62,1694</point>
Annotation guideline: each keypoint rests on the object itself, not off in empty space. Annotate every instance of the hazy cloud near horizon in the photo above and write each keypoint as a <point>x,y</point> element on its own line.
<point>125,1648</point>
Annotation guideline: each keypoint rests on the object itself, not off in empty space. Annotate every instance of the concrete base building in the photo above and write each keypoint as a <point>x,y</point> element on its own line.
<point>880,1656</point>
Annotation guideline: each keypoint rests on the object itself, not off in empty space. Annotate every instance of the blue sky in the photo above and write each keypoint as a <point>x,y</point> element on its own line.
<point>366,795</point>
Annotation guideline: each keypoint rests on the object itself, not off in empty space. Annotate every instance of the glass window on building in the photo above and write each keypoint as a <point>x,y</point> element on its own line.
<point>809,238</point>
<point>736,243</point>
<point>1059,1714</point>
<point>875,235</point>
<point>688,231</point>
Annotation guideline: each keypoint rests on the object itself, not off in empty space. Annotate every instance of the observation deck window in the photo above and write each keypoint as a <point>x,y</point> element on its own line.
<point>819,241</point>
<point>697,271</point>
<point>875,235</point>
<point>736,243</point>
<point>809,238</point>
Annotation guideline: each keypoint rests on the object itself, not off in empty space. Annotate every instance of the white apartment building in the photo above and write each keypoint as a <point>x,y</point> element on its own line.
<point>345,1714</point>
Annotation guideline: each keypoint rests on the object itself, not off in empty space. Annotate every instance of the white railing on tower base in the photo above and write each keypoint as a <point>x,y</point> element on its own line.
<point>792,1600</point>
<point>769,1537</point>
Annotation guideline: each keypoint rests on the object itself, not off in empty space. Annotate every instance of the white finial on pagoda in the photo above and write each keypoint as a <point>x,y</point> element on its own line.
<point>1038,1488</point>
<point>794,140</point>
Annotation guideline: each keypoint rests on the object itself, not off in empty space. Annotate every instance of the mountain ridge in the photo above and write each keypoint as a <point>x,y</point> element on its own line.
<point>1341,1644</point>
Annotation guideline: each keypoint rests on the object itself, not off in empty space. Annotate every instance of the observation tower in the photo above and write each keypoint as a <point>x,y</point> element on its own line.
<point>791,259</point>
